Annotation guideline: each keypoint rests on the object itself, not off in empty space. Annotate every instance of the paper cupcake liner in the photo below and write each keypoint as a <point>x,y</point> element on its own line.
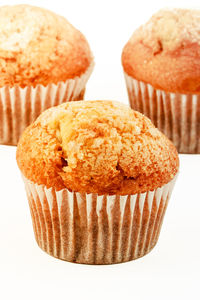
<point>93,229</point>
<point>19,107</point>
<point>176,115</point>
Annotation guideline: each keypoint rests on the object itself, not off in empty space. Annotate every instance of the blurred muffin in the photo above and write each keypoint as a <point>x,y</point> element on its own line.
<point>98,177</point>
<point>161,62</point>
<point>44,61</point>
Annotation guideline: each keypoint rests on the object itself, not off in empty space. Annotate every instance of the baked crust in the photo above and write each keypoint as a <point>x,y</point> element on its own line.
<point>39,47</point>
<point>99,147</point>
<point>165,52</point>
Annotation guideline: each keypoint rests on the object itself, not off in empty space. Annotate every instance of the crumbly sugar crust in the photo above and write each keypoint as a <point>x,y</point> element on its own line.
<point>165,51</point>
<point>39,47</point>
<point>99,147</point>
<point>171,29</point>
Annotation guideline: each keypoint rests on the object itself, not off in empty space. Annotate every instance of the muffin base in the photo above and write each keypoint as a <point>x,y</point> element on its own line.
<point>98,264</point>
<point>176,115</point>
<point>19,107</point>
<point>78,98</point>
<point>93,229</point>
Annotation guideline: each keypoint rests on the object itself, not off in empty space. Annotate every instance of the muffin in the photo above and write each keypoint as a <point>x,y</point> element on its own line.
<point>98,177</point>
<point>161,62</point>
<point>44,61</point>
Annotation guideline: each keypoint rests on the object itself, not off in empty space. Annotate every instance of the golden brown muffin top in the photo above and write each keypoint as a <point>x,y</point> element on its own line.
<point>102,147</point>
<point>165,52</point>
<point>39,47</point>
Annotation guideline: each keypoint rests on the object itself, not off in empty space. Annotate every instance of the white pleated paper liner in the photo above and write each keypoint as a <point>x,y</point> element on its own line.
<point>92,229</point>
<point>19,107</point>
<point>176,115</point>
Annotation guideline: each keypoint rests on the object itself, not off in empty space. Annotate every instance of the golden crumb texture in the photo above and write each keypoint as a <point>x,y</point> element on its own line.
<point>165,52</point>
<point>39,47</point>
<point>101,147</point>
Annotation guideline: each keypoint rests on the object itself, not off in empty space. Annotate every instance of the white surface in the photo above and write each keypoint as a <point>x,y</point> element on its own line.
<point>172,269</point>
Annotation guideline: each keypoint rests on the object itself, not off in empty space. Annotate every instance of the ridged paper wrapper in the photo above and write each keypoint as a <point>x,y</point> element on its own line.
<point>176,115</point>
<point>92,229</point>
<point>19,107</point>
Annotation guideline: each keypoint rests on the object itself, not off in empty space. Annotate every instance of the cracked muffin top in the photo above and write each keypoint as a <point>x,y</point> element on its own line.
<point>102,147</point>
<point>39,47</point>
<point>165,52</point>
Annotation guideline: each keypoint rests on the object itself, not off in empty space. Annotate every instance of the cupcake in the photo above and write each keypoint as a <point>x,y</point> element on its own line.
<point>161,62</point>
<point>44,61</point>
<point>98,177</point>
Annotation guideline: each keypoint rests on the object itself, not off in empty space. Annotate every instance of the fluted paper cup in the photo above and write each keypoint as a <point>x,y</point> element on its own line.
<point>19,107</point>
<point>176,115</point>
<point>92,229</point>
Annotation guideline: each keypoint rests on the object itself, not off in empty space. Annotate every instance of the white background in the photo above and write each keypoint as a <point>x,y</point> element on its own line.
<point>172,269</point>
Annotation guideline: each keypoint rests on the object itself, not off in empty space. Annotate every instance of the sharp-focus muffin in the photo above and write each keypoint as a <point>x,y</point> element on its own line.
<point>44,61</point>
<point>98,177</point>
<point>161,62</point>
